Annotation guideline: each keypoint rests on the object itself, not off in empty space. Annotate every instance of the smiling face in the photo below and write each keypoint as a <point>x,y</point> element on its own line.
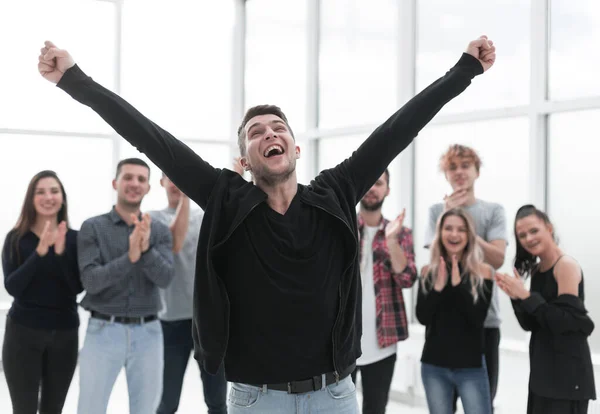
<point>373,200</point>
<point>132,184</point>
<point>47,197</point>
<point>461,173</point>
<point>454,235</point>
<point>534,234</point>
<point>271,152</point>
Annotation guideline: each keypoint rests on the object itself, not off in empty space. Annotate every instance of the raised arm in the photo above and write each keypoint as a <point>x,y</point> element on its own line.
<point>185,168</point>
<point>369,161</point>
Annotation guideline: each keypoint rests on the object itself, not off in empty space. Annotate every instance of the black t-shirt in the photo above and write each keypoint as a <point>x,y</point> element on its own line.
<point>284,293</point>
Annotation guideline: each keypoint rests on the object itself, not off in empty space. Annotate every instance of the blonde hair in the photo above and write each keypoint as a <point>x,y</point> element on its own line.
<point>471,260</point>
<point>461,152</point>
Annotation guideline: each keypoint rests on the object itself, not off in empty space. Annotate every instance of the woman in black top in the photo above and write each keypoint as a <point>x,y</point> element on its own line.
<point>454,297</point>
<point>561,379</point>
<point>39,260</point>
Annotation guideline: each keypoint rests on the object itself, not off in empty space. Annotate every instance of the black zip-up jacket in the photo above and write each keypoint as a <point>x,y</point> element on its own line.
<point>227,198</point>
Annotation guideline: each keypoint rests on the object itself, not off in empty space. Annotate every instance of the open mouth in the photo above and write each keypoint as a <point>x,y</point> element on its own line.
<point>454,242</point>
<point>273,150</point>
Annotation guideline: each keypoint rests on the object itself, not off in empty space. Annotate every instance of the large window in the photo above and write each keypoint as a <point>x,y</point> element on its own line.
<point>215,154</point>
<point>573,174</point>
<point>504,150</point>
<point>276,52</point>
<point>82,164</point>
<point>177,61</point>
<point>575,27</point>
<point>27,101</point>
<point>446,27</point>
<point>358,62</point>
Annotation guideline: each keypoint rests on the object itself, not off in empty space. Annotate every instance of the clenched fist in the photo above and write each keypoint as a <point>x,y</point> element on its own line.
<point>54,62</point>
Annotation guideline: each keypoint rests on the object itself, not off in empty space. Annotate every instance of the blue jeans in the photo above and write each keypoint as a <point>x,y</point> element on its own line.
<point>110,346</point>
<point>335,398</point>
<point>471,383</point>
<point>179,344</point>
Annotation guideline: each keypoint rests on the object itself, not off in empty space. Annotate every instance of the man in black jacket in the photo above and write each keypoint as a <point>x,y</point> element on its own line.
<point>277,291</point>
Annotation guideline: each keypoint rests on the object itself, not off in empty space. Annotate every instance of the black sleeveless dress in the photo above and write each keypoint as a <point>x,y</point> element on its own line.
<point>545,284</point>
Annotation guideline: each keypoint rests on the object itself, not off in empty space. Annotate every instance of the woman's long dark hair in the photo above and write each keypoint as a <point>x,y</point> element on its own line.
<point>28,214</point>
<point>525,262</point>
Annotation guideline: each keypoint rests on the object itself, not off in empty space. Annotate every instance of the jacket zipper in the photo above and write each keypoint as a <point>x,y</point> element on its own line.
<point>335,370</point>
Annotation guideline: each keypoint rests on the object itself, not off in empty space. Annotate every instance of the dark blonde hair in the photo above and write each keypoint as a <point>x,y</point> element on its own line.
<point>470,261</point>
<point>459,151</point>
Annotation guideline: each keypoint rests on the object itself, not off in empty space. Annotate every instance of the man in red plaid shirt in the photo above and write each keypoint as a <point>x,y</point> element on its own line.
<point>387,267</point>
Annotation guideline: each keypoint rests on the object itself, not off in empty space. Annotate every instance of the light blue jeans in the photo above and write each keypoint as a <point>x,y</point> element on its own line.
<point>335,398</point>
<point>472,384</point>
<point>110,346</point>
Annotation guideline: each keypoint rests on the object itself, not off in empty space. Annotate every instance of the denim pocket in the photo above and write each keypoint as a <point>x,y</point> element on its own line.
<point>344,389</point>
<point>95,325</point>
<point>243,396</point>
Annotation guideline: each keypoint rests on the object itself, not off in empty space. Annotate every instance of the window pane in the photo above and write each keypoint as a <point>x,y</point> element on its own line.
<point>177,64</point>
<point>573,171</point>
<point>276,41</point>
<point>358,62</point>
<point>575,26</point>
<point>333,150</point>
<point>82,164</point>
<point>218,155</point>
<point>502,146</point>
<point>444,31</point>
<point>85,28</point>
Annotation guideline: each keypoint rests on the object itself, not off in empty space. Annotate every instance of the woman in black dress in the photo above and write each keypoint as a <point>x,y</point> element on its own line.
<point>562,378</point>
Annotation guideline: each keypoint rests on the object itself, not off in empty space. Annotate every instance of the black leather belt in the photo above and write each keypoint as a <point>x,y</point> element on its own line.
<point>311,384</point>
<point>124,319</point>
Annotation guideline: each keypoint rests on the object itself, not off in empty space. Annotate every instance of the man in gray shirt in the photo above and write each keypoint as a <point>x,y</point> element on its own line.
<point>176,316</point>
<point>461,164</point>
<point>124,258</point>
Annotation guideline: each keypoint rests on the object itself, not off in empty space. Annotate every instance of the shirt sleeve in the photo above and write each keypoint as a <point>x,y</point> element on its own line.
<point>497,228</point>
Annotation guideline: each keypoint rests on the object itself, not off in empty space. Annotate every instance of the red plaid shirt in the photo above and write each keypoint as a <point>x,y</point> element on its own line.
<point>392,324</point>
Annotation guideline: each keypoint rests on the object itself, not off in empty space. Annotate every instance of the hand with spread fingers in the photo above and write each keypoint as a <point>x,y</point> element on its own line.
<point>393,228</point>
<point>513,286</point>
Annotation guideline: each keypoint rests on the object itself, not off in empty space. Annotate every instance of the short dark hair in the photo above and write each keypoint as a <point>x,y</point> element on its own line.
<point>131,161</point>
<point>387,176</point>
<point>256,111</point>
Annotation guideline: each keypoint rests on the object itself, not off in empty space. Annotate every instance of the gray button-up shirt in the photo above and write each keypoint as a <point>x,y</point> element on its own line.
<point>115,286</point>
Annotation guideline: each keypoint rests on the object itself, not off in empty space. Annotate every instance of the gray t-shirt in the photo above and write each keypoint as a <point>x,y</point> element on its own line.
<point>490,224</point>
<point>177,298</point>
